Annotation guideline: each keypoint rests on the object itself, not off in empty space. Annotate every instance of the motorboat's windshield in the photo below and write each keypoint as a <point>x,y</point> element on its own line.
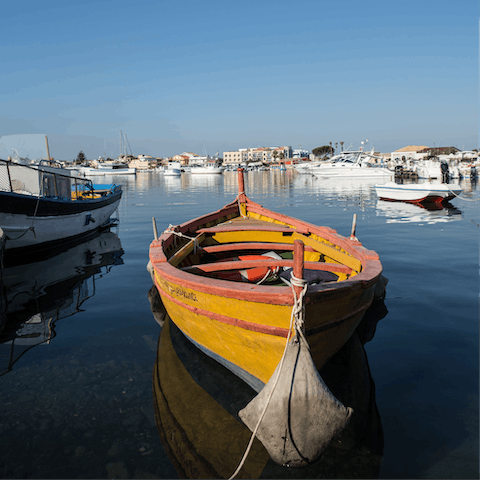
<point>346,159</point>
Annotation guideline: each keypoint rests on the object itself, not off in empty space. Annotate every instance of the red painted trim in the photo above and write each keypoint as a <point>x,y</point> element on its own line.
<point>241,186</point>
<point>265,293</point>
<point>254,327</point>
<point>266,329</point>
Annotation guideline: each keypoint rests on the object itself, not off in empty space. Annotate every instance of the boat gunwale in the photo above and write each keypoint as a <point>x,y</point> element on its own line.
<point>280,295</point>
<point>45,206</point>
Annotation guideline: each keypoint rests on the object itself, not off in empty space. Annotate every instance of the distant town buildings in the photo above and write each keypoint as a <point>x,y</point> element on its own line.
<point>417,152</point>
<point>281,156</point>
<point>260,154</point>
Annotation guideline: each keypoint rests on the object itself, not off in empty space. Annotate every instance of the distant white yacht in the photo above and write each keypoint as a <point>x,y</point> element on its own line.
<point>106,168</point>
<point>350,164</point>
<point>206,169</point>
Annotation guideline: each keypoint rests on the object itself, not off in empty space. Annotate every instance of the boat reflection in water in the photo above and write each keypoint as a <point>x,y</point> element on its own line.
<point>35,295</point>
<point>403,212</point>
<point>197,402</point>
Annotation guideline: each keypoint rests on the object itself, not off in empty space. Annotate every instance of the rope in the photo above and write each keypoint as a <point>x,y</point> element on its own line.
<point>32,228</point>
<point>297,321</point>
<point>180,234</point>
<point>462,198</point>
<point>35,216</point>
<point>264,277</point>
<point>20,236</point>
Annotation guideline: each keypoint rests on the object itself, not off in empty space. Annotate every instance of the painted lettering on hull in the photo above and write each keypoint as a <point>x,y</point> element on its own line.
<point>176,290</point>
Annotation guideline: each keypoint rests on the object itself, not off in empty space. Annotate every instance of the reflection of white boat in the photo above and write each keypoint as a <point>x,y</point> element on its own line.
<point>401,212</point>
<point>206,169</point>
<point>43,206</point>
<point>173,170</point>
<point>360,188</point>
<point>350,164</point>
<point>35,295</point>
<point>419,192</point>
<point>467,171</point>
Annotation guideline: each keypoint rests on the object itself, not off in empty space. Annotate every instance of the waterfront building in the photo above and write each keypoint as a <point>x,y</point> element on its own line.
<point>259,154</point>
<point>140,163</point>
<point>415,152</point>
<point>182,159</point>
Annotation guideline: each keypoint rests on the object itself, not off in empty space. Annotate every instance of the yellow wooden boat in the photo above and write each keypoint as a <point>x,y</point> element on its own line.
<point>244,325</point>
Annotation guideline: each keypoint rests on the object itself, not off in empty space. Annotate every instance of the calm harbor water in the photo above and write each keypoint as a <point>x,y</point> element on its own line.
<point>81,404</point>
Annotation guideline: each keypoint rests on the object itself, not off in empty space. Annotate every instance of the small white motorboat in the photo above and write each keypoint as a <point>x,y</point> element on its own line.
<point>173,170</point>
<point>418,192</point>
<point>108,168</point>
<point>206,169</point>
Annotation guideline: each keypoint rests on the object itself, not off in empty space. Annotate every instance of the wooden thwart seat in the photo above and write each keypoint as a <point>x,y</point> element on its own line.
<point>227,247</point>
<point>263,227</point>
<point>244,264</point>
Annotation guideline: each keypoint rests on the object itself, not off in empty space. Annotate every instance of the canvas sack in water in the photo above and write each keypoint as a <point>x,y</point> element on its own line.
<point>302,416</point>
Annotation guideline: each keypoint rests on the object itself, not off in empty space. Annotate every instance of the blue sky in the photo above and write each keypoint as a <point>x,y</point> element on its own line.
<point>221,75</point>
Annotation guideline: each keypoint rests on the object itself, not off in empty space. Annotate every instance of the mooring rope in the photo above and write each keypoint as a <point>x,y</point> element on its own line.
<point>297,321</point>
<point>462,198</point>
<point>180,234</point>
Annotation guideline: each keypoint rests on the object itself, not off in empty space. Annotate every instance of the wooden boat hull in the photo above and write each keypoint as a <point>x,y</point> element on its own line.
<point>245,326</point>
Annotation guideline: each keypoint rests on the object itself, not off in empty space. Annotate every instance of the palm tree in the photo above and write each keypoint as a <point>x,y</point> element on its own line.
<point>341,145</point>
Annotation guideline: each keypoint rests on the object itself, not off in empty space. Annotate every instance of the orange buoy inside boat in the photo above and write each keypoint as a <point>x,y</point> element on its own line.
<point>251,275</point>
